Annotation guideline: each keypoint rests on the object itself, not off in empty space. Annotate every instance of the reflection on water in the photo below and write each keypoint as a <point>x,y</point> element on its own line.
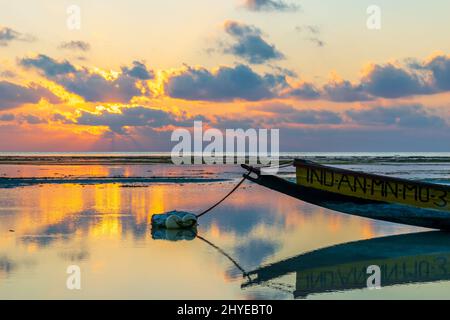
<point>106,230</point>
<point>174,235</point>
<point>403,259</point>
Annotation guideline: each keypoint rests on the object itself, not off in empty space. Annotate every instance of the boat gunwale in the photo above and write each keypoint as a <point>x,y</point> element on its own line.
<point>308,163</point>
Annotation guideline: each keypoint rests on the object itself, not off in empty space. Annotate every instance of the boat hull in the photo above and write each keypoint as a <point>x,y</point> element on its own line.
<point>371,187</point>
<point>368,208</point>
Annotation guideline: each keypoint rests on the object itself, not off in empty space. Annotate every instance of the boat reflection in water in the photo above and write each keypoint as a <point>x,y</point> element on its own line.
<point>403,259</point>
<point>190,234</point>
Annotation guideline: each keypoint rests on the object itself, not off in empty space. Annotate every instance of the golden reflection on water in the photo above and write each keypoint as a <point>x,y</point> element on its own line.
<point>59,170</point>
<point>106,230</point>
<point>107,198</point>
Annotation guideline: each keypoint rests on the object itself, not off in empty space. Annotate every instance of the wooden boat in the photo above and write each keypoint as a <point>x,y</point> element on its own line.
<point>368,195</point>
<point>403,259</point>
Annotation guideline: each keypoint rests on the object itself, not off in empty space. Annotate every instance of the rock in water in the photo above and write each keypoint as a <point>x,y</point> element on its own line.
<point>174,220</point>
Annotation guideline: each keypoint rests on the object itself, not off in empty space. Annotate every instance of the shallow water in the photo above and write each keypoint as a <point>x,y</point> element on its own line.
<point>104,228</point>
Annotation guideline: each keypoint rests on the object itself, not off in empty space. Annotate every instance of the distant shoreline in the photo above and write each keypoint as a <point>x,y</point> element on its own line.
<point>165,158</point>
<point>82,160</point>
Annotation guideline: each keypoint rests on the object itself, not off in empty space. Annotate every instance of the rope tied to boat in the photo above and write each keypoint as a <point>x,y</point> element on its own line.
<point>223,199</point>
<point>280,165</point>
<point>181,220</point>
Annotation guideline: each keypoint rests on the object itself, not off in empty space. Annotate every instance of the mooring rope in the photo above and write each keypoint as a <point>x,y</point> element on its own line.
<point>279,166</point>
<point>223,199</point>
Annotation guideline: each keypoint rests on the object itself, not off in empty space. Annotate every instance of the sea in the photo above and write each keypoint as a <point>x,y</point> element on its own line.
<point>85,219</point>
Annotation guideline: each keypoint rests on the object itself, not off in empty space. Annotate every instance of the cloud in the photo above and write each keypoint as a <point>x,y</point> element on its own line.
<point>225,84</point>
<point>396,116</point>
<point>8,35</point>
<point>283,71</point>
<point>270,5</point>
<point>241,82</point>
<point>426,77</point>
<point>13,95</point>
<point>138,71</point>
<point>91,85</point>
<point>336,91</point>
<point>345,91</point>
<point>7,74</point>
<point>315,117</point>
<point>283,113</point>
<point>249,44</point>
<point>313,33</point>
<point>389,81</point>
<point>408,116</point>
<point>364,139</point>
<point>279,108</point>
<point>58,117</point>
<point>309,28</point>
<point>439,66</point>
<point>277,115</point>
<point>7,117</point>
<point>76,45</point>
<point>317,41</point>
<point>305,91</point>
<point>137,116</point>
<point>49,66</point>
<point>230,122</point>
<point>32,119</point>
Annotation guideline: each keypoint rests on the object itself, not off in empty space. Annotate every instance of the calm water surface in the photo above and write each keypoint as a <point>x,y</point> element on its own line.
<point>105,229</point>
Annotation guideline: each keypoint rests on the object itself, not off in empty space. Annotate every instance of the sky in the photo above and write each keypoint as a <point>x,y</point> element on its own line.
<point>109,75</point>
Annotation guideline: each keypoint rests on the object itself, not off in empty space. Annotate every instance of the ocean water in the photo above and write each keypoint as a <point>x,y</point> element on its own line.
<point>56,212</point>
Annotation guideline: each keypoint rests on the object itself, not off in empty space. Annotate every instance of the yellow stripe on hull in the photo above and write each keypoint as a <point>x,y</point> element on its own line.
<point>373,187</point>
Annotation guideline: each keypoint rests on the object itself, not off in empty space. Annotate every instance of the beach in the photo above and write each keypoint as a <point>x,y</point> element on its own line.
<point>95,212</point>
